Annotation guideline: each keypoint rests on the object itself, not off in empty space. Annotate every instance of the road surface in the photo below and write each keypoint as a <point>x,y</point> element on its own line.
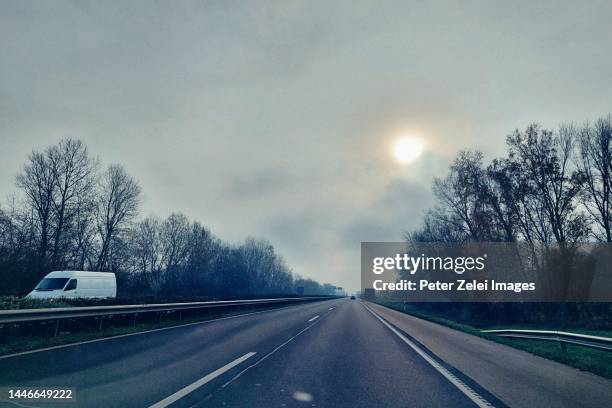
<point>337,353</point>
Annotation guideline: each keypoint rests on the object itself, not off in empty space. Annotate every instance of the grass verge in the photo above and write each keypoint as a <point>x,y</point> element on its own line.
<point>595,361</point>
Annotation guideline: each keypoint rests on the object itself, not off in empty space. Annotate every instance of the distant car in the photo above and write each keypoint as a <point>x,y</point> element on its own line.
<point>352,297</point>
<point>76,284</point>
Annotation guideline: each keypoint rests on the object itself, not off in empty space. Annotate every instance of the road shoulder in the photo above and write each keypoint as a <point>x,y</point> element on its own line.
<point>517,378</point>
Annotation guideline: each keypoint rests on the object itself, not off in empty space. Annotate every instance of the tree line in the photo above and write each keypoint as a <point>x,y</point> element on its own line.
<point>70,213</point>
<point>551,187</point>
<point>551,192</point>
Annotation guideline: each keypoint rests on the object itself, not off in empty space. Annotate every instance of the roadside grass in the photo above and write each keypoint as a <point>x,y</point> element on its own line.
<point>583,358</point>
<point>15,343</point>
<point>14,302</point>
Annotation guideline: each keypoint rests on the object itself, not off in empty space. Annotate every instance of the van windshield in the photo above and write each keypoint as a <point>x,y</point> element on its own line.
<point>51,284</point>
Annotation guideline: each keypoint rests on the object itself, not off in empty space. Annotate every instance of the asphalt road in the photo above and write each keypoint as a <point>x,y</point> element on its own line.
<point>338,353</point>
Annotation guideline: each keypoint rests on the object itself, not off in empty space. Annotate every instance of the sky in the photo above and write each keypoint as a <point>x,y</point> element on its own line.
<point>277,119</point>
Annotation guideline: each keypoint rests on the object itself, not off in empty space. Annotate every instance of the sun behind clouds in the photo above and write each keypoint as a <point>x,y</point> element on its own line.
<point>407,149</point>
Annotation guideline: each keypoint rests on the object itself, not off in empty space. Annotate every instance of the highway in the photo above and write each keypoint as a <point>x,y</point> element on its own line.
<point>336,353</point>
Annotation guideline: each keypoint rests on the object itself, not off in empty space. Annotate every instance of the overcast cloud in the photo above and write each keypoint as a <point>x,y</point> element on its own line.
<point>274,119</point>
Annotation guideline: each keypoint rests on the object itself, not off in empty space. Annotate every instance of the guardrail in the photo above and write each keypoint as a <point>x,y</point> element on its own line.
<point>37,315</point>
<point>596,342</point>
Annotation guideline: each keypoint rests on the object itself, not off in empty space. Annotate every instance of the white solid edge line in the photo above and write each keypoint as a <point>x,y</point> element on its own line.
<point>21,353</point>
<point>464,388</point>
<point>314,318</point>
<point>207,378</point>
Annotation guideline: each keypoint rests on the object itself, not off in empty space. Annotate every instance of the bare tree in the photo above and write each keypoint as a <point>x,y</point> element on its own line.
<point>175,235</point>
<point>514,201</point>
<point>438,226</point>
<point>501,194</point>
<point>258,258</point>
<point>38,182</point>
<point>544,161</point>
<point>74,179</point>
<point>84,232</point>
<point>204,249</point>
<point>595,164</point>
<point>147,244</point>
<point>461,196</point>
<point>119,201</point>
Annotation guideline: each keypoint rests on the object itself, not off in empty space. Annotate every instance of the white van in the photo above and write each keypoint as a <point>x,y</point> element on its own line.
<point>76,284</point>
